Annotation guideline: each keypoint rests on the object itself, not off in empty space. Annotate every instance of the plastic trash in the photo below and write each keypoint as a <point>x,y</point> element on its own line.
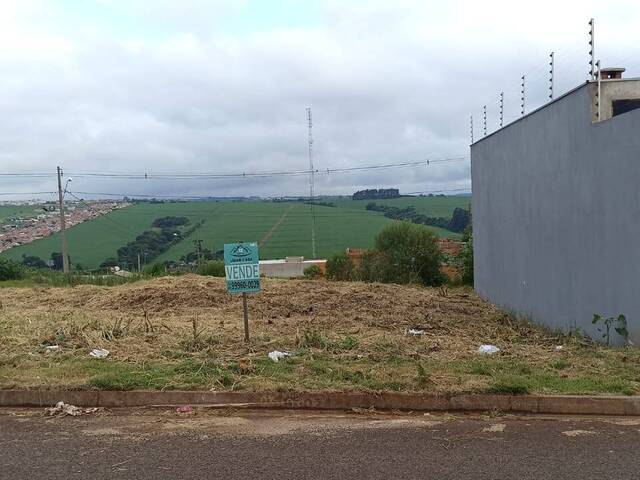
<point>277,355</point>
<point>52,349</point>
<point>488,349</point>
<point>185,409</point>
<point>414,332</point>
<point>99,353</point>
<point>559,347</point>
<point>62,408</point>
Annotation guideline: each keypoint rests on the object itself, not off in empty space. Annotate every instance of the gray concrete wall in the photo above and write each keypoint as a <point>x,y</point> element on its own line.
<point>556,216</point>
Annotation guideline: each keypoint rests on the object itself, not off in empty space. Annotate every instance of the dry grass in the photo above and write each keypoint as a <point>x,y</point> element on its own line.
<point>186,332</point>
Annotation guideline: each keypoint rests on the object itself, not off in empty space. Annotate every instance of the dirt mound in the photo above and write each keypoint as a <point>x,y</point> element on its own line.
<point>326,302</point>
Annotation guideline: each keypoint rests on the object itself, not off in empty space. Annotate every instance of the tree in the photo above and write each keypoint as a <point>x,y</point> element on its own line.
<point>10,270</point>
<point>109,262</point>
<point>406,253</point>
<point>466,256</point>
<point>339,267</point>
<point>32,261</point>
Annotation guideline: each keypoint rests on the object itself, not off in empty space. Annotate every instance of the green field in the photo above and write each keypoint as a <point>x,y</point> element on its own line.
<point>430,206</point>
<point>284,228</point>
<point>25,211</point>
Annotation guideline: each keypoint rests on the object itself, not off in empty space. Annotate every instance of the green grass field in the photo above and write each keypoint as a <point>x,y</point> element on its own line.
<point>25,211</point>
<point>284,228</point>
<point>431,206</point>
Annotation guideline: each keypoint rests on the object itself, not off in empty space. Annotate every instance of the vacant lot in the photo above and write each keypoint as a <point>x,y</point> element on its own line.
<point>285,228</point>
<point>186,333</point>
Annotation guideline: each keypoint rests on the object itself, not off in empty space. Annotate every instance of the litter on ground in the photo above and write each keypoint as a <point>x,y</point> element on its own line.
<point>52,349</point>
<point>277,355</point>
<point>414,332</point>
<point>560,347</point>
<point>99,353</point>
<point>488,349</point>
<point>184,409</point>
<point>63,409</point>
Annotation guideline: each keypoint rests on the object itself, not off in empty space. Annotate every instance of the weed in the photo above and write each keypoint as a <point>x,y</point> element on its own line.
<point>619,325</point>
<point>510,385</point>
<point>424,378</point>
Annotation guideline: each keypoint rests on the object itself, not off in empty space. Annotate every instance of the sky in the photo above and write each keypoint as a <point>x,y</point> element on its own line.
<point>221,86</point>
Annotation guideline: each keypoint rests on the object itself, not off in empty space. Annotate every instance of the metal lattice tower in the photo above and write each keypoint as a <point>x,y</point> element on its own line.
<point>312,184</point>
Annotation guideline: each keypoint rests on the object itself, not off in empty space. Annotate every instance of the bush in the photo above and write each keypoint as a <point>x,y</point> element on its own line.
<point>10,270</point>
<point>466,257</point>
<point>312,271</point>
<point>340,267</point>
<point>404,253</point>
<point>155,270</point>
<point>212,269</point>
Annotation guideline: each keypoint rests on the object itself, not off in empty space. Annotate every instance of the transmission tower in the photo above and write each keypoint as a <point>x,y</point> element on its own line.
<point>312,185</point>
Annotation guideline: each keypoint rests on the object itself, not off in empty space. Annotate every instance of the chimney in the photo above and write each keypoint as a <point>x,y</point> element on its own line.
<point>611,73</point>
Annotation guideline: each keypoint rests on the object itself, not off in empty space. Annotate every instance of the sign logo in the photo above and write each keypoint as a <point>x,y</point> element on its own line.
<point>240,251</point>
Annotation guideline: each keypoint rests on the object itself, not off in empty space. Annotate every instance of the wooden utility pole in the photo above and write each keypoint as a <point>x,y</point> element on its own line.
<point>63,234</point>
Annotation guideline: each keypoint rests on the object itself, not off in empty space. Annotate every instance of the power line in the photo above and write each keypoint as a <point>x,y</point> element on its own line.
<point>315,171</point>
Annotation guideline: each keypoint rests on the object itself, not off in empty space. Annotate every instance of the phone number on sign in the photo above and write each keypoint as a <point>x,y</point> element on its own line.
<point>244,284</point>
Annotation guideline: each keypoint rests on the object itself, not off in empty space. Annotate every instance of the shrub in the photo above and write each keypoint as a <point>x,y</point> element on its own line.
<point>10,270</point>
<point>312,271</point>
<point>340,267</point>
<point>214,268</point>
<point>155,270</point>
<point>465,258</point>
<point>406,253</point>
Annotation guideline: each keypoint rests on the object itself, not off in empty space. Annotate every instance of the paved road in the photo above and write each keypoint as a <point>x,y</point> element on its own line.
<point>160,444</point>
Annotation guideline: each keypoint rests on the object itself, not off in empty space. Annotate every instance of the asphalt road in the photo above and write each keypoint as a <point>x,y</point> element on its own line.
<point>161,444</point>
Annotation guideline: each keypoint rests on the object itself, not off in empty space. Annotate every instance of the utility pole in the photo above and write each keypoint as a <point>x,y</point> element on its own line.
<point>311,185</point>
<point>198,244</point>
<point>63,235</point>
<point>139,266</point>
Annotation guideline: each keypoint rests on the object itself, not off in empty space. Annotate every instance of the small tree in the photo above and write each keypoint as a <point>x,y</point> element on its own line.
<point>10,270</point>
<point>155,270</point>
<point>312,272</point>
<point>214,268</point>
<point>409,253</point>
<point>33,261</point>
<point>466,257</point>
<point>339,267</point>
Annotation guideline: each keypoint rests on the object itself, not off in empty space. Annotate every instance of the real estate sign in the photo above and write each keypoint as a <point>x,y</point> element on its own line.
<point>242,267</point>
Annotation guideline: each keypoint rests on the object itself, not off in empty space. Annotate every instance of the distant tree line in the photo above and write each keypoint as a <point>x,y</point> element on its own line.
<point>170,222</point>
<point>152,243</point>
<point>376,194</point>
<point>460,219</point>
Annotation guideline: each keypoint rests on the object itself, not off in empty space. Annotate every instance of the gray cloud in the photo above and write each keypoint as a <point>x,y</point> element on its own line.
<point>387,81</point>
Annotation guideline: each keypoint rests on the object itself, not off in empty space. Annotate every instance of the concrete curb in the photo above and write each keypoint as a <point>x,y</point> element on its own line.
<point>546,404</point>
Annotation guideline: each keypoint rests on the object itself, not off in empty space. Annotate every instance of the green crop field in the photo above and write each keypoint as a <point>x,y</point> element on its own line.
<point>24,211</point>
<point>283,228</point>
<point>430,206</point>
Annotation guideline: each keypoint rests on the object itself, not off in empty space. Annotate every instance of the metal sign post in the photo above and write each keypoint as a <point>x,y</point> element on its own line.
<point>242,271</point>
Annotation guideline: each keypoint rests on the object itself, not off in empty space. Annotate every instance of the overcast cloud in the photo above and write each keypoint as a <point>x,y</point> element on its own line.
<point>222,86</point>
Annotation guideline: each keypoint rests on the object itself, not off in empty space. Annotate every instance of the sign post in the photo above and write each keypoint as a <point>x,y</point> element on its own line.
<point>242,271</point>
